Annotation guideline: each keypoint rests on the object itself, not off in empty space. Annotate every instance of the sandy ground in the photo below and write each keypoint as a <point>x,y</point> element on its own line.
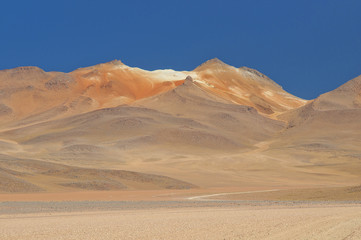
<point>172,220</point>
<point>183,214</point>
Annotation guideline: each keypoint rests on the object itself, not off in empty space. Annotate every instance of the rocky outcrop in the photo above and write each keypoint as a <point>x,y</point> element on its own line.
<point>61,81</point>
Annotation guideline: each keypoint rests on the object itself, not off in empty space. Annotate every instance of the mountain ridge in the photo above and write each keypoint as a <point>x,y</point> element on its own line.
<point>113,83</point>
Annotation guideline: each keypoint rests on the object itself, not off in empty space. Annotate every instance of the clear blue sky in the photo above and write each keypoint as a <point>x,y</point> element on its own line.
<point>308,47</point>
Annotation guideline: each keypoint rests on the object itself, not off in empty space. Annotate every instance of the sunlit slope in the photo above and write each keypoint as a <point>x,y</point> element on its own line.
<point>245,86</point>
<point>29,94</point>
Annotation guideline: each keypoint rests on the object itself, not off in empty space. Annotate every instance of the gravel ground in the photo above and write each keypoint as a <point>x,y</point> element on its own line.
<point>13,208</point>
<point>180,220</point>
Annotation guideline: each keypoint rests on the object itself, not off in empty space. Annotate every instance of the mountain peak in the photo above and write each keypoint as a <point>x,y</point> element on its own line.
<point>212,63</point>
<point>347,96</point>
<point>116,62</point>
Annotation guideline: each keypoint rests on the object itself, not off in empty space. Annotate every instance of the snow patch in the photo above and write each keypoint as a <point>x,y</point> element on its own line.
<point>168,75</point>
<point>162,74</point>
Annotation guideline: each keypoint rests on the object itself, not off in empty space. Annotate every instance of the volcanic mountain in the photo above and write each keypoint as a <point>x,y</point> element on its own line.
<point>111,126</point>
<point>31,95</point>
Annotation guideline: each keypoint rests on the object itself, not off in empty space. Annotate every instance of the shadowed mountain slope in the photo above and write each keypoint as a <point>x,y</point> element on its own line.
<point>240,123</point>
<point>27,175</point>
<point>340,107</point>
<point>326,130</point>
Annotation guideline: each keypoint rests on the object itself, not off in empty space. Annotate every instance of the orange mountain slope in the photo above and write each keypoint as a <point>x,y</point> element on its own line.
<point>245,86</point>
<point>32,95</point>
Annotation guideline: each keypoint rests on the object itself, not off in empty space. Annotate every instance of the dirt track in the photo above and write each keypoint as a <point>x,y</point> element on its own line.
<point>228,193</point>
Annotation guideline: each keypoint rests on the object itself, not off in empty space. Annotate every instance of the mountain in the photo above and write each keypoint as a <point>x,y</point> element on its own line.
<point>111,126</point>
<point>332,107</point>
<point>325,134</point>
<point>238,125</point>
<point>32,95</point>
<point>245,86</point>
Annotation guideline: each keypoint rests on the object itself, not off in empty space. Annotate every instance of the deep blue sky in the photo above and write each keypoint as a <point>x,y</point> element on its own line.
<point>308,47</point>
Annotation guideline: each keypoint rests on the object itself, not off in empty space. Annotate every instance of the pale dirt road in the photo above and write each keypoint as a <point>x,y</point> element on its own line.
<point>228,193</point>
<point>244,222</point>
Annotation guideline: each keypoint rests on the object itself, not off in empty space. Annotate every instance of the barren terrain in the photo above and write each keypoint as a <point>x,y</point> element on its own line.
<point>113,127</point>
<point>182,220</point>
<point>117,152</point>
<point>184,214</point>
